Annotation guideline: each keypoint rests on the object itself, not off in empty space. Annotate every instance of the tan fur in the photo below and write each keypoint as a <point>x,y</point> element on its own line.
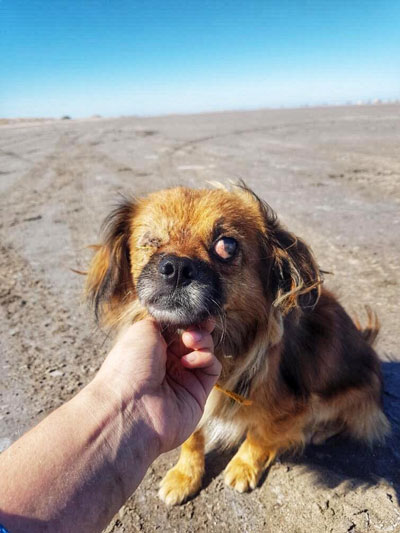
<point>244,470</point>
<point>185,478</point>
<point>284,342</point>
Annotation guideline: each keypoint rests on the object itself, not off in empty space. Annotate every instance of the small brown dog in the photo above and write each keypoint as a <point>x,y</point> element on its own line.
<point>295,367</point>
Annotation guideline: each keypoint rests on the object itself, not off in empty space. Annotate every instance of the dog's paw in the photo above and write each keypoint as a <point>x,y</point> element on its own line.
<point>177,486</point>
<point>241,476</point>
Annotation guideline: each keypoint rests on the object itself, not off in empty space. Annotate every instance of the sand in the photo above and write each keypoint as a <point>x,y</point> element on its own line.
<point>332,174</point>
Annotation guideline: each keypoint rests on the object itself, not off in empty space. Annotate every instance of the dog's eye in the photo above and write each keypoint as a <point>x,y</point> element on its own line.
<point>225,248</point>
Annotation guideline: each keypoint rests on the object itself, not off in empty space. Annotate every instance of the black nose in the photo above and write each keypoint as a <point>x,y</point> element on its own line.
<point>177,270</point>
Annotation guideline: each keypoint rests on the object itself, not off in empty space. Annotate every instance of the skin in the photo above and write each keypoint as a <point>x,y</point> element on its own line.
<point>74,470</point>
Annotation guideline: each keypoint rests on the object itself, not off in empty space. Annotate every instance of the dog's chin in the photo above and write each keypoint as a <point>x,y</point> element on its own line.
<point>179,318</point>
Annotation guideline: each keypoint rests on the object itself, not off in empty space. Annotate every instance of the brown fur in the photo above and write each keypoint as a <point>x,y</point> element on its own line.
<point>284,342</point>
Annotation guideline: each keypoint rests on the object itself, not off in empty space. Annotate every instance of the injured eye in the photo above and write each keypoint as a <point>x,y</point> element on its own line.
<point>225,248</point>
<point>147,240</point>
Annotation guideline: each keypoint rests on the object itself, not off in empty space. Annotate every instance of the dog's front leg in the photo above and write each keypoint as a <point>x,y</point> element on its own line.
<point>245,468</point>
<point>184,479</point>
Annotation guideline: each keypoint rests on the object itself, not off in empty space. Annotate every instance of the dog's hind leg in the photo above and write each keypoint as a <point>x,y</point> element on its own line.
<point>364,417</point>
<point>356,412</point>
<point>184,479</point>
<point>325,432</point>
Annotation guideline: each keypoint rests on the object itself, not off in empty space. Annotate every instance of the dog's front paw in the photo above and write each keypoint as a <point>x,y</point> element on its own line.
<point>178,485</point>
<point>242,476</point>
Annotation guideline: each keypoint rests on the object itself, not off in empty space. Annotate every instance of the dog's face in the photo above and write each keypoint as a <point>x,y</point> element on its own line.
<point>188,254</point>
<point>196,253</point>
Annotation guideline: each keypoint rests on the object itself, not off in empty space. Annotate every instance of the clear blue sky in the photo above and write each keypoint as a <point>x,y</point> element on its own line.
<point>114,57</point>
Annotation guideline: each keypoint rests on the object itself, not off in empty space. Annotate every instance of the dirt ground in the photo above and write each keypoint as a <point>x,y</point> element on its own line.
<point>332,174</point>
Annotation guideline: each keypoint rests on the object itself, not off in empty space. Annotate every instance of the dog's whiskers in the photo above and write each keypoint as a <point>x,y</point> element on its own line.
<point>221,315</point>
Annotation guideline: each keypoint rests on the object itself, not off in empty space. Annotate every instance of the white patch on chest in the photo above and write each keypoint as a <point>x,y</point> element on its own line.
<point>225,421</point>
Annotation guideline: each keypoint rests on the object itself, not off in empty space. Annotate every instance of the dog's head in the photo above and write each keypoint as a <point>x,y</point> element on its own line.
<point>184,255</point>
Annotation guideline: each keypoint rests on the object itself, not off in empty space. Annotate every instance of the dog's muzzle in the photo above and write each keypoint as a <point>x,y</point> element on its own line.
<point>180,291</point>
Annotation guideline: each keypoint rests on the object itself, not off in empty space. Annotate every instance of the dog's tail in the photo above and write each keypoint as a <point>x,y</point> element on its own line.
<point>370,331</point>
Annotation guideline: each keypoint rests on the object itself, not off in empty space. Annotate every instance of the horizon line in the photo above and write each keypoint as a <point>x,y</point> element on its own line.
<point>67,116</point>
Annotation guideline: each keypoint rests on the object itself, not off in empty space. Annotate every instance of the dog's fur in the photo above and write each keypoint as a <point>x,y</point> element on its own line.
<point>285,343</point>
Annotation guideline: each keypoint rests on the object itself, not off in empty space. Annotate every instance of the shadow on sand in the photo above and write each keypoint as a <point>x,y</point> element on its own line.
<point>355,462</point>
<point>346,460</point>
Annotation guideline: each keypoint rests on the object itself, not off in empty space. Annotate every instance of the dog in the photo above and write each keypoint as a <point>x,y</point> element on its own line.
<point>295,367</point>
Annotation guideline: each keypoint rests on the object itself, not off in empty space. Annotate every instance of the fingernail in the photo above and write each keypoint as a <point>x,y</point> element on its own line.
<point>196,335</point>
<point>190,357</point>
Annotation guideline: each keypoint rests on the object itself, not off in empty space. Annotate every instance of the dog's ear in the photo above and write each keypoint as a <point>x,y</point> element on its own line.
<point>109,281</point>
<point>295,278</point>
<point>289,270</point>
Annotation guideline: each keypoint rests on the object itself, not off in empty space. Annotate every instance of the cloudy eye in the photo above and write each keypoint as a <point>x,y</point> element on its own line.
<point>225,248</point>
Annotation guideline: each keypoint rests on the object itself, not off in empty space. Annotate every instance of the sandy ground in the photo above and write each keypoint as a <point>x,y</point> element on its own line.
<point>333,175</point>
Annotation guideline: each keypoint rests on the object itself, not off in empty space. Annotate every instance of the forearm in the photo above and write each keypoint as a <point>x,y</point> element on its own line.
<point>78,466</point>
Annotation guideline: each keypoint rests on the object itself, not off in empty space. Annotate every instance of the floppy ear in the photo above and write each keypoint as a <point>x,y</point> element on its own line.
<point>291,273</point>
<point>295,278</point>
<point>109,282</point>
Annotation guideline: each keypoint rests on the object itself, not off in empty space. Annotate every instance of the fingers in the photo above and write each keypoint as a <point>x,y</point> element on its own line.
<point>197,341</point>
<point>198,359</point>
<point>206,367</point>
<point>202,359</point>
<point>199,338</point>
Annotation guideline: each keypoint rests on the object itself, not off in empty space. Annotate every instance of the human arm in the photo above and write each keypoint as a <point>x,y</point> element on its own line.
<point>80,464</point>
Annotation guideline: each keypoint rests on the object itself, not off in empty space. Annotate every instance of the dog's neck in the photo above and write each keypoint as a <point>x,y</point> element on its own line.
<point>244,352</point>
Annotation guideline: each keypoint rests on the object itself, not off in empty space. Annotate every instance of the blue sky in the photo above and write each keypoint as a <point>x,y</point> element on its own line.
<point>120,57</point>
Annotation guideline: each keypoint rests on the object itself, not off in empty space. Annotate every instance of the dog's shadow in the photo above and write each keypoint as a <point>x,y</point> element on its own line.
<point>341,459</point>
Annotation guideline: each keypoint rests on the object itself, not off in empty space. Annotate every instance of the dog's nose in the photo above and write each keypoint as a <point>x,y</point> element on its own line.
<point>177,270</point>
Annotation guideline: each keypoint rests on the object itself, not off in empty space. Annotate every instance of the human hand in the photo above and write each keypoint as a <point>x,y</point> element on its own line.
<point>167,384</point>
<point>89,455</point>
